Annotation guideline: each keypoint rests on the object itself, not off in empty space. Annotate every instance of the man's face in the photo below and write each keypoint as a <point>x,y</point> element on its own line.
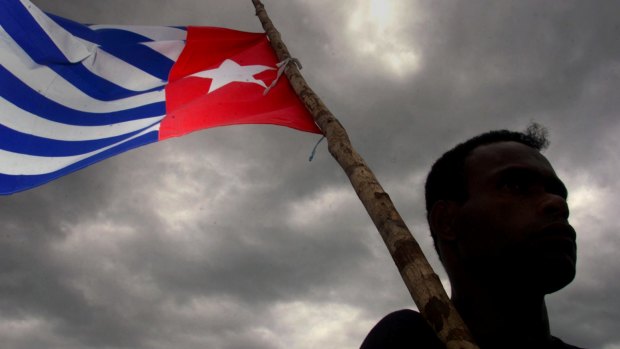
<point>513,228</point>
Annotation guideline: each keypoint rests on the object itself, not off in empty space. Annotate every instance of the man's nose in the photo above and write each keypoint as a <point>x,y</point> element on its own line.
<point>555,205</point>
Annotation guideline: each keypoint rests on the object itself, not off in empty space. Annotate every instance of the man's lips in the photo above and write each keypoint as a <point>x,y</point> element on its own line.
<point>557,234</point>
<point>557,230</point>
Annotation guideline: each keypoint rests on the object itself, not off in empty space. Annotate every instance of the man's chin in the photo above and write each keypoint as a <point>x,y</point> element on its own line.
<point>556,284</point>
<point>543,275</point>
<point>552,262</point>
<point>553,274</point>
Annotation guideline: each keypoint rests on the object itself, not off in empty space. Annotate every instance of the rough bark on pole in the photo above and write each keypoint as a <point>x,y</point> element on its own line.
<point>423,284</point>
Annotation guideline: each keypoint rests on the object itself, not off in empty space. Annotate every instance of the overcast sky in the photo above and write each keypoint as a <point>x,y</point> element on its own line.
<point>229,238</point>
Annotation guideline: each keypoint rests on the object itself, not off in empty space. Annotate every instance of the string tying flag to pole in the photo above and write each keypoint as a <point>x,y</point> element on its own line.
<point>281,67</point>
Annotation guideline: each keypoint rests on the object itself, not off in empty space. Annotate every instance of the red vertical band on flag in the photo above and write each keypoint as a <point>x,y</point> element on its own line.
<point>219,80</point>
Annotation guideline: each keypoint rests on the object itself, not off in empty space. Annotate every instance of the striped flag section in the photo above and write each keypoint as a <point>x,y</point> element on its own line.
<point>72,95</point>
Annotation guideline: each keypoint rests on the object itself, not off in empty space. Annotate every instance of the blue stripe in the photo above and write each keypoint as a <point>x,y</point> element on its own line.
<point>24,97</point>
<point>144,58</point>
<point>102,37</point>
<point>122,44</point>
<point>20,25</point>
<point>105,36</point>
<point>22,143</point>
<point>94,85</point>
<point>113,37</point>
<point>12,184</point>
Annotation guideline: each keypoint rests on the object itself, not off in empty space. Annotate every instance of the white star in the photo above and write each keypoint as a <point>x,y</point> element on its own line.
<point>229,71</point>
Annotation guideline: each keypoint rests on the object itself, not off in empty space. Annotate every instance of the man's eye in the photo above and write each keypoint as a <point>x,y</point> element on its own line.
<point>516,184</point>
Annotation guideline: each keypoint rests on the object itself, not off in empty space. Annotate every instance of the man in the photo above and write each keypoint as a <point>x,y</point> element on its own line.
<point>498,216</point>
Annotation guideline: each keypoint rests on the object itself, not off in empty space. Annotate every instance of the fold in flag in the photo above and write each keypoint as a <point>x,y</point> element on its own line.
<point>72,95</point>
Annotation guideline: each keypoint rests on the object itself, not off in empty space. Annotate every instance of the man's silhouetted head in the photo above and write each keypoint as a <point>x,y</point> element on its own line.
<point>498,214</point>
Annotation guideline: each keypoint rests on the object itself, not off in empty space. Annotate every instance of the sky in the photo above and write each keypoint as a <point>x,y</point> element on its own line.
<point>229,238</point>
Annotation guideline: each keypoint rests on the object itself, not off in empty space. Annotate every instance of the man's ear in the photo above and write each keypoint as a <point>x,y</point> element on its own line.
<point>442,219</point>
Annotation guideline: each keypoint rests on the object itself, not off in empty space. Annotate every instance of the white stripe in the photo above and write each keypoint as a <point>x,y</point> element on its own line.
<point>74,50</point>
<point>120,72</point>
<point>20,164</point>
<point>20,120</point>
<point>155,33</point>
<point>54,87</point>
<point>170,48</point>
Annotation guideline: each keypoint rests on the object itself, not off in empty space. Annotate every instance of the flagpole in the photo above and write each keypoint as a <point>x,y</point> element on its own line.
<point>423,284</point>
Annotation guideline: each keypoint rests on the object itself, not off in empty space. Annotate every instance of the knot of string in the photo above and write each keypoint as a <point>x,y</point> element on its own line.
<point>281,67</point>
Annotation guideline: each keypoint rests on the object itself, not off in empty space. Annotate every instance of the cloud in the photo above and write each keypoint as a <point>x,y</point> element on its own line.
<point>229,238</point>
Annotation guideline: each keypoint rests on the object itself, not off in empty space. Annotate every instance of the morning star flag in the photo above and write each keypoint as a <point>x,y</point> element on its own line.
<point>72,95</point>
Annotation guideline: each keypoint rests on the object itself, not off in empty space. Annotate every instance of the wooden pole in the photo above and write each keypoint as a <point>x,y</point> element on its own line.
<point>423,284</point>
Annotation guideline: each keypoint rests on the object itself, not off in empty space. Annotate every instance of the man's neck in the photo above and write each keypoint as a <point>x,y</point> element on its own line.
<point>498,320</point>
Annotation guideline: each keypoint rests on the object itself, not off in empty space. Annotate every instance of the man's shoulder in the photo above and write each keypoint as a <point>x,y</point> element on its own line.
<point>408,329</point>
<point>402,329</point>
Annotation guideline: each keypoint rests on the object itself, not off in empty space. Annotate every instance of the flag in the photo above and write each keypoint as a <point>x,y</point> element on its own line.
<point>72,94</point>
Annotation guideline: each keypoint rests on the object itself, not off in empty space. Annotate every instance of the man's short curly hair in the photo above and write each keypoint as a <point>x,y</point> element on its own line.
<point>447,179</point>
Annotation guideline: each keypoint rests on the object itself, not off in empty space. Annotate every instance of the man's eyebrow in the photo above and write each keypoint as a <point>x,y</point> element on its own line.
<point>552,183</point>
